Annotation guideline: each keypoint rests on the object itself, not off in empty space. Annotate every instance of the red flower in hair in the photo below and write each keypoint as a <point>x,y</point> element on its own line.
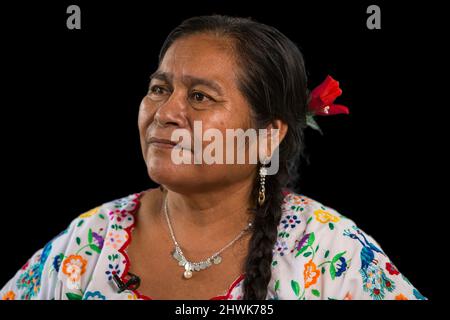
<point>321,101</point>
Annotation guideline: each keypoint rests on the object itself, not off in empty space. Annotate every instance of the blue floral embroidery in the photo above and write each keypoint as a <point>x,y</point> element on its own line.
<point>94,295</point>
<point>30,280</point>
<point>112,271</point>
<point>341,266</point>
<point>290,221</point>
<point>57,262</point>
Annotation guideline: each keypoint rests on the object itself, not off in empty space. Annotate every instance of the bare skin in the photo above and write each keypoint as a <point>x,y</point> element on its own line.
<point>161,276</point>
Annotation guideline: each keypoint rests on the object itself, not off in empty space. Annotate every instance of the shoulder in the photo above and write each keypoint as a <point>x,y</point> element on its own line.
<point>66,262</point>
<point>321,254</point>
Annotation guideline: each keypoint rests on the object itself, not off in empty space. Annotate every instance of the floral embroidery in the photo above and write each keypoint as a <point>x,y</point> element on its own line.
<point>10,295</point>
<point>300,200</point>
<point>30,280</point>
<point>96,295</point>
<point>115,240</point>
<point>89,213</point>
<point>401,296</point>
<point>98,239</point>
<point>391,269</point>
<point>310,273</point>
<point>338,264</point>
<point>74,266</point>
<point>281,247</point>
<point>290,221</point>
<point>112,270</point>
<point>325,217</point>
<point>57,261</point>
<point>376,282</point>
<point>117,214</point>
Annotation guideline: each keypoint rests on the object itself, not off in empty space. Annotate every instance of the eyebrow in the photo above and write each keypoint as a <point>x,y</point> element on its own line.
<point>189,80</point>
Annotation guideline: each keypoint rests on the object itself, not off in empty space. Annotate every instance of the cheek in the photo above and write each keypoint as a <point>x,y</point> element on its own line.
<point>146,115</point>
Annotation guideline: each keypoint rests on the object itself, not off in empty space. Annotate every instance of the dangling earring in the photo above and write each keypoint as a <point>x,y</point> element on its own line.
<point>262,181</point>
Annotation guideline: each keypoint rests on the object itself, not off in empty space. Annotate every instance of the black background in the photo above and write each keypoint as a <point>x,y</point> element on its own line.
<point>70,101</point>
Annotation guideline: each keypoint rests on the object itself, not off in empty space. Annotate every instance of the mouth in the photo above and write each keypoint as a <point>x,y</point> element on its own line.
<point>162,143</point>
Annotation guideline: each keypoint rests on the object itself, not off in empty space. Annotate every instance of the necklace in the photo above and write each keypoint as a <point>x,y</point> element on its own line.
<point>190,266</point>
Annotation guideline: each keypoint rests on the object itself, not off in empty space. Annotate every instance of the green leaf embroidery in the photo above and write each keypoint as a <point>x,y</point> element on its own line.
<point>323,270</point>
<point>73,296</point>
<point>116,227</point>
<point>95,248</point>
<point>295,287</point>
<point>90,236</point>
<point>311,238</point>
<point>303,249</point>
<point>277,285</point>
<point>331,226</point>
<point>101,216</point>
<point>338,256</point>
<point>88,253</point>
<point>274,263</point>
<point>317,248</point>
<point>315,292</point>
<point>78,240</point>
<point>80,223</point>
<point>327,253</point>
<point>307,254</point>
<point>332,271</point>
<point>309,220</point>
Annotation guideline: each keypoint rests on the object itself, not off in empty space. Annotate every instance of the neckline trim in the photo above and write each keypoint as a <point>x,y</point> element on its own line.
<point>123,248</point>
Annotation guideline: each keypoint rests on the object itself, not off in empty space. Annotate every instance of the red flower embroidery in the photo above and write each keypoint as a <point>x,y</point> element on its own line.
<point>391,269</point>
<point>25,266</point>
<point>323,96</point>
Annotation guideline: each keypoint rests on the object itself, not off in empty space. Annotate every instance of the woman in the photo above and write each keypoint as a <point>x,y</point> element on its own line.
<point>216,231</point>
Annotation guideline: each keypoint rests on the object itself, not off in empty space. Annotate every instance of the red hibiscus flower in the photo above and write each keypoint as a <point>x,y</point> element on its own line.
<point>391,269</point>
<point>323,96</point>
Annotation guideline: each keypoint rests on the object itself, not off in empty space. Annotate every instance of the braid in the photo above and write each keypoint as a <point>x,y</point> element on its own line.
<point>267,217</point>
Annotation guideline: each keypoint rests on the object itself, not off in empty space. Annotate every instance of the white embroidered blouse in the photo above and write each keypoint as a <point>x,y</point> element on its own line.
<point>319,254</point>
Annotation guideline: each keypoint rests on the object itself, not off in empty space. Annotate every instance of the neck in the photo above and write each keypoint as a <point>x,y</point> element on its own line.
<point>215,215</point>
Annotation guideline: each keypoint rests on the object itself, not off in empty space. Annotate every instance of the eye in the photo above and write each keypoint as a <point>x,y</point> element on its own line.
<point>158,90</point>
<point>199,97</point>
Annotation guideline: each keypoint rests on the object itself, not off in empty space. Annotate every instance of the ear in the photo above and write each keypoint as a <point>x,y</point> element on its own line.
<point>274,138</point>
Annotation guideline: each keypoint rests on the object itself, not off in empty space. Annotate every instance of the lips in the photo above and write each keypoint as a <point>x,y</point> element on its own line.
<point>158,140</point>
<point>161,143</point>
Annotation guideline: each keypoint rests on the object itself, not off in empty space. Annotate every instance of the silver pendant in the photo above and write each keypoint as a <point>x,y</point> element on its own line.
<point>193,266</point>
<point>187,273</point>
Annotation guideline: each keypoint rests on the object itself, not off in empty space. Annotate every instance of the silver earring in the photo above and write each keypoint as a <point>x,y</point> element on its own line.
<point>262,182</point>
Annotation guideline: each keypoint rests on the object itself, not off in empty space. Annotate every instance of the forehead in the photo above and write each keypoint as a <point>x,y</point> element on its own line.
<point>203,56</point>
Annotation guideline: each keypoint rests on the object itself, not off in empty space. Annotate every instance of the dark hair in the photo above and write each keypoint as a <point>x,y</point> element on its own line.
<point>272,78</point>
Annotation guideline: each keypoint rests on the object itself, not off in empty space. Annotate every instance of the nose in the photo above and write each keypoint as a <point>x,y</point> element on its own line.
<point>172,112</point>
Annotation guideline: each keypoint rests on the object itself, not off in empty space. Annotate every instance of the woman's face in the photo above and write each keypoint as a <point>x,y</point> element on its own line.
<point>196,81</point>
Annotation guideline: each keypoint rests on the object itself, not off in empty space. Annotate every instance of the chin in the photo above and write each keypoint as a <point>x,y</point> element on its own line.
<point>169,174</point>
